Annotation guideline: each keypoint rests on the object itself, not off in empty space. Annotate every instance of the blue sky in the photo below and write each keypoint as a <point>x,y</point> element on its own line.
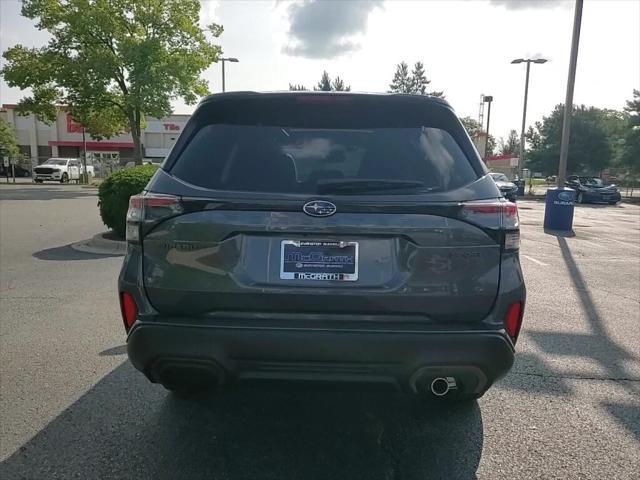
<point>466,47</point>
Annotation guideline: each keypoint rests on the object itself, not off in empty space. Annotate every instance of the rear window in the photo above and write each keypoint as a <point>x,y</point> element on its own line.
<point>300,159</point>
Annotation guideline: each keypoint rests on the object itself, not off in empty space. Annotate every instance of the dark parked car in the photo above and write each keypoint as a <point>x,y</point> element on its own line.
<point>508,189</point>
<point>327,237</point>
<point>19,171</point>
<point>593,190</point>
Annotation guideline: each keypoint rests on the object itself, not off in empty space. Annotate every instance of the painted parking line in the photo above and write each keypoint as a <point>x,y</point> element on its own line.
<point>534,260</point>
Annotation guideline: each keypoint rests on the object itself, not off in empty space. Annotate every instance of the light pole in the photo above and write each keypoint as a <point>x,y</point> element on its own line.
<point>230,59</point>
<point>528,61</point>
<point>487,99</point>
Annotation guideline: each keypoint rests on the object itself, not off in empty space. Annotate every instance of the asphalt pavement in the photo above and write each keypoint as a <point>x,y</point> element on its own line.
<point>71,406</point>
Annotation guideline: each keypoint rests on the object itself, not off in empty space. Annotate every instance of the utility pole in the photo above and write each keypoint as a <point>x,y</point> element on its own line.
<point>568,103</point>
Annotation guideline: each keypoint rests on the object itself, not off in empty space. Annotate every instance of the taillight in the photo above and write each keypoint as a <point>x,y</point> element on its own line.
<point>496,215</point>
<point>149,207</point>
<point>513,320</point>
<point>129,309</point>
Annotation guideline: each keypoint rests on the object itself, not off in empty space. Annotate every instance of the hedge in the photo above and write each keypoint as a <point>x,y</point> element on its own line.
<point>115,191</point>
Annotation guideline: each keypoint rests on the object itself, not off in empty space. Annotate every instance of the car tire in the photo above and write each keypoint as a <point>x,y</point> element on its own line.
<point>38,180</point>
<point>65,178</point>
<point>579,198</point>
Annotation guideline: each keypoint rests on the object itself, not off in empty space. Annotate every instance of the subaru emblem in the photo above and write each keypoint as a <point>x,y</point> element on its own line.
<point>319,208</point>
<point>566,196</point>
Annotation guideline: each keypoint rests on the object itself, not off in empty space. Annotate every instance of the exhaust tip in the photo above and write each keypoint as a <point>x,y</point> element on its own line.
<point>441,386</point>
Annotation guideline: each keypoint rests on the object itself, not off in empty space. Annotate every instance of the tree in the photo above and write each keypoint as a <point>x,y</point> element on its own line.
<point>512,145</point>
<point>589,147</point>
<point>414,83</point>
<point>8,141</point>
<point>338,85</point>
<point>402,80</point>
<point>113,62</point>
<point>324,84</point>
<point>630,154</point>
<point>474,129</point>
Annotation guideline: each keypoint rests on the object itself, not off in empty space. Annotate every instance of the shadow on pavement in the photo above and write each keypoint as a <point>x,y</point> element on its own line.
<point>66,253</point>
<point>627,415</point>
<point>126,428</point>
<point>114,351</point>
<point>33,192</point>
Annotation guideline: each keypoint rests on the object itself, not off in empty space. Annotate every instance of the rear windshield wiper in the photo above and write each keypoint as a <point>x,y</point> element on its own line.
<point>367,185</point>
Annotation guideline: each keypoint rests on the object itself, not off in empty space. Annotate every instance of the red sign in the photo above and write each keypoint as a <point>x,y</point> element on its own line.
<point>171,127</point>
<point>72,125</point>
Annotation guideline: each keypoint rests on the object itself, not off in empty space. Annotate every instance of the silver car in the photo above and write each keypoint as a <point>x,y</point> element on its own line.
<point>323,236</point>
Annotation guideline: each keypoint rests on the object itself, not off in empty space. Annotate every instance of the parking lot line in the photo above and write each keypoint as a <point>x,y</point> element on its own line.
<point>534,260</point>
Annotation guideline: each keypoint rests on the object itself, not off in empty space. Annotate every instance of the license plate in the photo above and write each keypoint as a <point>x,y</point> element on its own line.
<point>319,260</point>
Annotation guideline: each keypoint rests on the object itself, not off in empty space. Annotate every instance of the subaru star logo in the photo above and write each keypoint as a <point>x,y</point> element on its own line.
<point>319,208</point>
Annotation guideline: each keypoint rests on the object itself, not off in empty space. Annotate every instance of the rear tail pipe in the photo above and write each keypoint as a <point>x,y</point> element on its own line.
<point>441,386</point>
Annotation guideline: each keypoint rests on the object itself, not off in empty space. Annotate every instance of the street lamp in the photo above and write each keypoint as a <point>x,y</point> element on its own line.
<point>528,61</point>
<point>230,59</point>
<point>487,99</point>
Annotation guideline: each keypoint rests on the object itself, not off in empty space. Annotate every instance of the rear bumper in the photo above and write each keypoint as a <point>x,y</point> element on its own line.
<point>402,359</point>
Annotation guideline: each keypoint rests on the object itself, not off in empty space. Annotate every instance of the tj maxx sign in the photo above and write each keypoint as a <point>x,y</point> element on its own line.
<point>156,126</point>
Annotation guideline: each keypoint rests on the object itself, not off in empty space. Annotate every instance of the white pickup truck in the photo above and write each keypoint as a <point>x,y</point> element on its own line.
<point>60,170</point>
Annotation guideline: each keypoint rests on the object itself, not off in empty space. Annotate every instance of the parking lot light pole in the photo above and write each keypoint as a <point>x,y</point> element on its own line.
<point>223,60</point>
<point>528,61</point>
<point>487,99</point>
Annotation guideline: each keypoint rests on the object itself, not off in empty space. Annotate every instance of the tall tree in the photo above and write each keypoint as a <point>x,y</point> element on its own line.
<point>630,155</point>
<point>402,80</point>
<point>589,147</point>
<point>419,79</point>
<point>324,84</point>
<point>113,62</point>
<point>338,85</point>
<point>8,141</point>
<point>510,146</point>
<point>415,82</point>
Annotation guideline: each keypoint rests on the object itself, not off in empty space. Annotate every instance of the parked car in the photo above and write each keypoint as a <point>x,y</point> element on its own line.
<point>60,170</point>
<point>323,236</point>
<point>19,171</point>
<point>593,190</point>
<point>508,189</point>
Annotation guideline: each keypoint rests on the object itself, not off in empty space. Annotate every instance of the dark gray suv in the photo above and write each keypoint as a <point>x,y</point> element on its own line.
<point>320,236</point>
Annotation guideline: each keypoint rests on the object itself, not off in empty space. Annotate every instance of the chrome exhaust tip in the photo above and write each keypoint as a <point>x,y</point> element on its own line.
<point>441,386</point>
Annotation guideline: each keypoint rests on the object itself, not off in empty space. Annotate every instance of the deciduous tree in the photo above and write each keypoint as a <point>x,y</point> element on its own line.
<point>113,62</point>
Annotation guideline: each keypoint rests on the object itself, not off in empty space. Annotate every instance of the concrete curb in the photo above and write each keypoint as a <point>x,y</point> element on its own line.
<point>101,245</point>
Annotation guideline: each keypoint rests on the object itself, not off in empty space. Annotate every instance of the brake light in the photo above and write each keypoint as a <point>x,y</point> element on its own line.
<point>494,214</point>
<point>129,309</point>
<point>149,207</point>
<point>513,320</point>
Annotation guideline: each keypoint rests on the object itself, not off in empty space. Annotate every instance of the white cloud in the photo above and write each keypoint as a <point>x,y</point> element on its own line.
<point>327,29</point>
<point>530,4</point>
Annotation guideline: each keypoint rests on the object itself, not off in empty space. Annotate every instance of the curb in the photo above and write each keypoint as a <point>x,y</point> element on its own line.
<point>101,245</point>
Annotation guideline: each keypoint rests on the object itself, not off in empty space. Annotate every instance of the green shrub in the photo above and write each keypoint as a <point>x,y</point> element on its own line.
<point>115,191</point>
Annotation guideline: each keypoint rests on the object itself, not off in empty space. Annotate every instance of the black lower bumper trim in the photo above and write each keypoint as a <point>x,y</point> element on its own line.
<point>399,358</point>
